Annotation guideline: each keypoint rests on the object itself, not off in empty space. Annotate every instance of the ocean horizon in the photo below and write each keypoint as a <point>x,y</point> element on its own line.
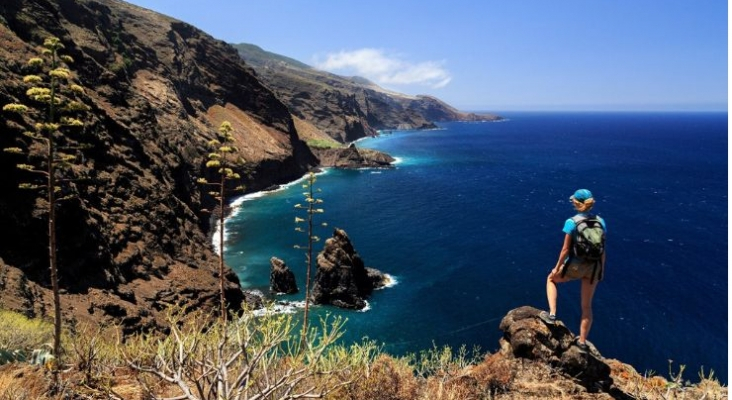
<point>468,223</point>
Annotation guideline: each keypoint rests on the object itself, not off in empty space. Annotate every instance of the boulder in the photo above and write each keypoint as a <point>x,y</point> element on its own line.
<point>342,279</point>
<point>352,157</point>
<point>526,336</point>
<point>281,277</point>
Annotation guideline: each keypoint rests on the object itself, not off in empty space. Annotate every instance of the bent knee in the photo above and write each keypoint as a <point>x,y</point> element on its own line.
<point>556,278</point>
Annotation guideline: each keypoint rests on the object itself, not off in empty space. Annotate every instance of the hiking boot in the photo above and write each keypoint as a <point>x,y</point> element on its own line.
<point>548,318</point>
<point>583,347</point>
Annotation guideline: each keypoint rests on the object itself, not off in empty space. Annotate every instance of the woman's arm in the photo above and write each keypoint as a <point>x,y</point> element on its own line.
<point>563,254</point>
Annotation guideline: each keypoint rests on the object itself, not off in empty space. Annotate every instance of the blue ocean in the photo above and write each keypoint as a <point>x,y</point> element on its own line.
<point>469,224</point>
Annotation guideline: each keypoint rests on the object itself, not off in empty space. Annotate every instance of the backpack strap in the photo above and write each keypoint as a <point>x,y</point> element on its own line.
<point>576,219</point>
<point>564,267</point>
<point>594,271</point>
<point>579,218</point>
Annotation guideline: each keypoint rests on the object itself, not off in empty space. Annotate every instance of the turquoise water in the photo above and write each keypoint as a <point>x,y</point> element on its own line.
<point>469,223</point>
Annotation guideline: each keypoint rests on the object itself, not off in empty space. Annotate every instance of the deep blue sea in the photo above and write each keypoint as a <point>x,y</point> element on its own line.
<point>469,224</point>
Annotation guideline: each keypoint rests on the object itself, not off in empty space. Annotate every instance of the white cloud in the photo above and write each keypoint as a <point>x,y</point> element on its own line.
<point>385,69</point>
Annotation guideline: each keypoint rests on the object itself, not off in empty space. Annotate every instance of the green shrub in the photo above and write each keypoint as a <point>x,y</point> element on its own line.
<point>323,144</point>
<point>18,332</point>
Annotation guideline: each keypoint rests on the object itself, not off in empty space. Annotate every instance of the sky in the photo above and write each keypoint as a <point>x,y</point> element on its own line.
<point>489,55</point>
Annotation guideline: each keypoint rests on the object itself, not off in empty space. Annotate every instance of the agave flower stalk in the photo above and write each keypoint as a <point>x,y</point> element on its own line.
<point>310,207</point>
<point>220,161</point>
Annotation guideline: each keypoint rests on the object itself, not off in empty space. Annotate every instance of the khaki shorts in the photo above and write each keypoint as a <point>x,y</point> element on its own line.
<point>580,269</point>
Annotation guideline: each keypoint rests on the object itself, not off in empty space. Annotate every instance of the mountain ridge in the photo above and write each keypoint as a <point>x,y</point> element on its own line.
<point>138,241</point>
<point>157,88</point>
<point>346,108</point>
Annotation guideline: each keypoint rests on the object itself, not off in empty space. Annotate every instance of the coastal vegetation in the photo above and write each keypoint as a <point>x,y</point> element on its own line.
<point>55,100</point>
<point>150,250</point>
<point>311,207</point>
<point>264,358</point>
<point>222,161</point>
<point>324,144</point>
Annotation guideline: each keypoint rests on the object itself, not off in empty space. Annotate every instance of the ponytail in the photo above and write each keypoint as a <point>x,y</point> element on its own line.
<point>584,206</point>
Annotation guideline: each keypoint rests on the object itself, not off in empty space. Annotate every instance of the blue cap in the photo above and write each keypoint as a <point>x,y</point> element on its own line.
<point>581,195</point>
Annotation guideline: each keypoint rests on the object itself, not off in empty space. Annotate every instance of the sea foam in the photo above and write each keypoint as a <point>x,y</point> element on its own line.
<point>236,204</point>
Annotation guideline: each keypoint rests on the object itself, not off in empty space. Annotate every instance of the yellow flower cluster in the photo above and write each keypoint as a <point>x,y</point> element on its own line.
<point>61,73</point>
<point>34,79</point>
<point>16,108</point>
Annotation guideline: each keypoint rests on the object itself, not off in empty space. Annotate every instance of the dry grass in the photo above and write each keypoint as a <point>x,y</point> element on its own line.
<point>22,381</point>
<point>651,387</point>
<point>95,368</point>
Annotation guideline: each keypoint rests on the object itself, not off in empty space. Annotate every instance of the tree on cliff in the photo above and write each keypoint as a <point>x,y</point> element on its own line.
<point>56,102</point>
<point>222,162</point>
<point>310,209</point>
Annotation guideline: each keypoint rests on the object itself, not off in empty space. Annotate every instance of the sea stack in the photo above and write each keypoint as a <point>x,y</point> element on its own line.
<point>281,277</point>
<point>342,279</point>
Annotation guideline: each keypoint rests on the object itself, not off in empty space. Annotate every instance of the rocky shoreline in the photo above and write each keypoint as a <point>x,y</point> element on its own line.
<point>341,277</point>
<point>137,238</point>
<point>353,157</point>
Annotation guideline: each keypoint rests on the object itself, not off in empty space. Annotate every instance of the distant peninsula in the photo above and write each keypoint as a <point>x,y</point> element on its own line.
<point>133,233</point>
<point>346,108</point>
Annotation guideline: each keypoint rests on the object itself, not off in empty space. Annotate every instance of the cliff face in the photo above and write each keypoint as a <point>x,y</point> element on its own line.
<point>135,239</point>
<point>347,108</point>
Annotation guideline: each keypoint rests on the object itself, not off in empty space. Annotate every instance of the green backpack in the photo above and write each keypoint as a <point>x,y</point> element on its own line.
<point>588,241</point>
<point>589,238</point>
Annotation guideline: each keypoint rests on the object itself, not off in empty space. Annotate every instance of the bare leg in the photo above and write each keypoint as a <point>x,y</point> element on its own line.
<point>551,295</point>
<point>588,290</point>
<point>551,290</point>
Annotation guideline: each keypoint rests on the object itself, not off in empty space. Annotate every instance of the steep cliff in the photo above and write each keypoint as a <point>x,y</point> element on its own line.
<point>346,108</point>
<point>134,239</point>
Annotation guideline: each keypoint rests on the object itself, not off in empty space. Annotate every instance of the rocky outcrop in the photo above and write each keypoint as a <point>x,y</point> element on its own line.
<point>133,239</point>
<point>342,279</point>
<point>525,336</point>
<point>281,277</point>
<point>353,157</point>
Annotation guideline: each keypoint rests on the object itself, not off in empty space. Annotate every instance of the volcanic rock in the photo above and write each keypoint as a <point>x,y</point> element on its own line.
<point>133,238</point>
<point>281,277</point>
<point>353,157</point>
<point>347,108</point>
<point>342,279</point>
<point>528,337</point>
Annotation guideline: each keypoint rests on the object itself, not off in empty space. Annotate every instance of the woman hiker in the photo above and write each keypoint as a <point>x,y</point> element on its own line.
<point>579,260</point>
